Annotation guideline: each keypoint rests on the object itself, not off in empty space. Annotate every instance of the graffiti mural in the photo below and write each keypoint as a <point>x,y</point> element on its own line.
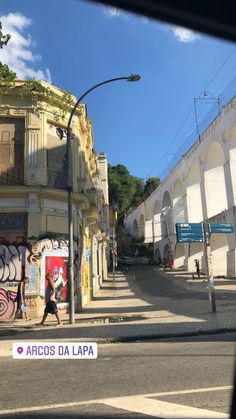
<point>50,244</point>
<point>31,303</point>
<point>34,259</point>
<point>57,265</point>
<point>13,262</point>
<point>6,303</point>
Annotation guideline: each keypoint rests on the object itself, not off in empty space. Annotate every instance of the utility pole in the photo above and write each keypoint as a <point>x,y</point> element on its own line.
<point>171,257</point>
<point>153,239</point>
<point>113,254</point>
<point>70,273</point>
<point>210,279</point>
<point>114,246</point>
<point>70,228</point>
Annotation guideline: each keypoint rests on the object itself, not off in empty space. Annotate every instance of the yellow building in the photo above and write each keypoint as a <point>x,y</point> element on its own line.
<point>33,195</point>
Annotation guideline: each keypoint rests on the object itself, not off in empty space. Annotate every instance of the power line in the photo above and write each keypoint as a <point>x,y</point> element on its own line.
<point>220,68</point>
<point>191,139</point>
<point>178,131</point>
<point>190,110</point>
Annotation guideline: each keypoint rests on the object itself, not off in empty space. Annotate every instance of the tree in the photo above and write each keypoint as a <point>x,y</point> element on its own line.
<point>125,190</point>
<point>121,170</point>
<point>6,75</point>
<point>128,191</point>
<point>138,196</point>
<point>151,184</point>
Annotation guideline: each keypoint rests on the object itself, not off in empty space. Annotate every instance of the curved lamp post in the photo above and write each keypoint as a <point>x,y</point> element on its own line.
<point>70,274</point>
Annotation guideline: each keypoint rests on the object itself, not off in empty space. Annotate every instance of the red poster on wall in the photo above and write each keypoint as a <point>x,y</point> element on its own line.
<point>57,266</point>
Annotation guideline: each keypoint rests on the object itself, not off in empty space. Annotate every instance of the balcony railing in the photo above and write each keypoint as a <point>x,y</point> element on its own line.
<point>12,175</point>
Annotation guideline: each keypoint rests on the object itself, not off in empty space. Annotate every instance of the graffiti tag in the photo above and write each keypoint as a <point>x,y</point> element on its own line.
<point>6,303</point>
<point>13,261</point>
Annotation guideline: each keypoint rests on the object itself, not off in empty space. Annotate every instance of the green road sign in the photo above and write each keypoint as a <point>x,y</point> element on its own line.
<point>221,228</point>
<point>189,232</point>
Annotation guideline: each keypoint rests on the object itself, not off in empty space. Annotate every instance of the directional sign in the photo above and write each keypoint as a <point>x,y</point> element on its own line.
<point>221,228</point>
<point>189,232</point>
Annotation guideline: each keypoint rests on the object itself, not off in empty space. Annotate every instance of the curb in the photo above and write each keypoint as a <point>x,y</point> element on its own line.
<point>161,336</point>
<point>115,318</point>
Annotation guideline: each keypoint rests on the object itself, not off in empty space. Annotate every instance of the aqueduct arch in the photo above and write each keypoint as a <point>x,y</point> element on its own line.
<point>157,221</point>
<point>214,177</point>
<point>195,213</point>
<point>141,226</point>
<point>166,215</point>
<point>179,217</point>
<point>135,228</point>
<point>219,249</point>
<point>178,202</point>
<point>193,195</point>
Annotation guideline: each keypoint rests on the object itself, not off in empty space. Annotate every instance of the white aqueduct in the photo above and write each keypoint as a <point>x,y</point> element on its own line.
<point>200,188</point>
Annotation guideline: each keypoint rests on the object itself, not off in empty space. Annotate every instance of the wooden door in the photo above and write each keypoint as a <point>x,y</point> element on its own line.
<point>12,151</point>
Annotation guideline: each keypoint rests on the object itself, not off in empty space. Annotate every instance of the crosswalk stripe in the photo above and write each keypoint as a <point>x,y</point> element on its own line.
<point>190,391</point>
<point>133,400</point>
<point>165,410</point>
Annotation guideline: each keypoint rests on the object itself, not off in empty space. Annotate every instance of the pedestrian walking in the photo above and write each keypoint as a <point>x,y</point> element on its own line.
<point>197,265</point>
<point>20,299</point>
<point>51,306</point>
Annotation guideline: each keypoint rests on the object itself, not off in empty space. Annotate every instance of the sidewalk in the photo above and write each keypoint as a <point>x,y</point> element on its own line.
<point>121,312</point>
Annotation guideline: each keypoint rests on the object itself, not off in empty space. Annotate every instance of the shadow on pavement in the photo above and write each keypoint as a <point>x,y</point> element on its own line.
<point>160,301</point>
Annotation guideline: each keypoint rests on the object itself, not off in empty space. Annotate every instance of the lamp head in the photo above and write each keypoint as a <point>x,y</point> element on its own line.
<point>60,133</point>
<point>133,77</point>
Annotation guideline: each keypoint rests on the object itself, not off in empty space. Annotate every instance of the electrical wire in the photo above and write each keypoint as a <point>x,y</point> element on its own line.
<point>173,140</point>
<point>205,88</point>
<point>189,113</point>
<point>220,68</point>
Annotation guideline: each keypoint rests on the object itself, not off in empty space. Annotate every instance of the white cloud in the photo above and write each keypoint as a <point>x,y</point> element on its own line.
<point>19,54</point>
<point>183,34</point>
<point>114,12</point>
<point>111,11</point>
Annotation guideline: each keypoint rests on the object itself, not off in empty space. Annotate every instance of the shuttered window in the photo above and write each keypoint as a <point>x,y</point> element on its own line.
<point>12,133</point>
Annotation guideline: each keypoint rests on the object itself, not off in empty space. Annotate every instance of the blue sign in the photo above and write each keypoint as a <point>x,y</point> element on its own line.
<point>190,232</point>
<point>33,275</point>
<point>221,228</point>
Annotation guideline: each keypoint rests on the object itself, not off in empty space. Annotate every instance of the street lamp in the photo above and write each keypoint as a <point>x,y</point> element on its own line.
<point>70,273</point>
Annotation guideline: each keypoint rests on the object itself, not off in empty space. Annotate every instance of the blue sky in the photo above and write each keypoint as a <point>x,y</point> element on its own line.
<point>75,44</point>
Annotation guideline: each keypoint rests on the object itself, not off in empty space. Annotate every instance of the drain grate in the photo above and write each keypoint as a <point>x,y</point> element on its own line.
<point>111,319</point>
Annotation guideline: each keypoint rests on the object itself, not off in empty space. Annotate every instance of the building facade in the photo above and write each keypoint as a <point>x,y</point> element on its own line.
<point>33,196</point>
<point>200,188</point>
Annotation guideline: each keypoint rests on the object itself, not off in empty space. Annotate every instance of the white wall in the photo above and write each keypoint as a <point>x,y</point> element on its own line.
<point>202,186</point>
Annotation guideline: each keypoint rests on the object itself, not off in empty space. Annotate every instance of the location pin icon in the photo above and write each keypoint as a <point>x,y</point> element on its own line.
<point>20,350</point>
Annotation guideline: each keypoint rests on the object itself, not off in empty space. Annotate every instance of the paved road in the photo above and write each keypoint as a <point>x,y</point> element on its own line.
<point>171,293</point>
<point>152,305</point>
<point>191,376</point>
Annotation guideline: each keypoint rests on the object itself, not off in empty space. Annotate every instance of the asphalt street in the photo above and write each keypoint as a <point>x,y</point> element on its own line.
<point>186,376</point>
<point>162,291</point>
<point>130,380</point>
